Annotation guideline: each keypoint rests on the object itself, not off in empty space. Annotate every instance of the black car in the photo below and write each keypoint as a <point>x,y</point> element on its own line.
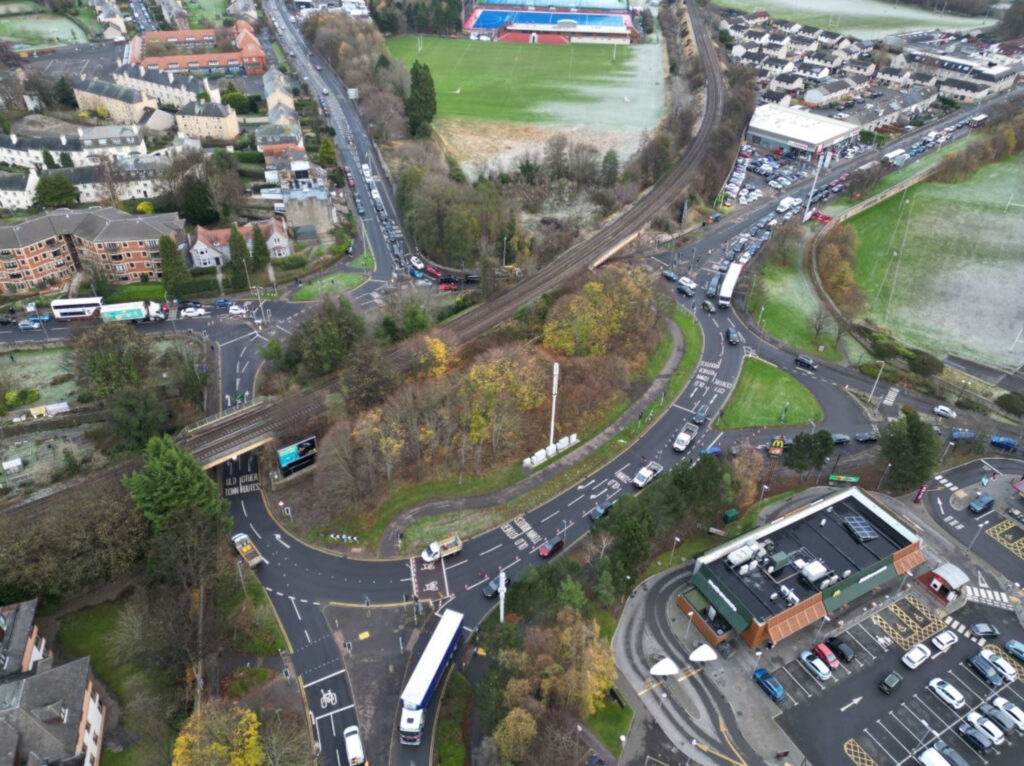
<point>490,590</point>
<point>999,717</point>
<point>838,439</point>
<point>867,436</point>
<point>190,304</point>
<point>841,649</point>
<point>974,737</point>
<point>600,510</point>
<point>7,319</point>
<point>471,278</point>
<point>685,290</point>
<point>732,336</point>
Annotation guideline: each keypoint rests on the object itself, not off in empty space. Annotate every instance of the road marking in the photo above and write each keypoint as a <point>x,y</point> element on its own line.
<point>556,512</point>
<point>277,536</point>
<point>453,566</point>
<point>490,550</point>
<point>255,532</point>
<point>571,503</point>
<point>295,606</point>
<point>308,639</point>
<point>324,678</point>
<point>850,704</point>
<point>338,710</point>
<point>244,512</point>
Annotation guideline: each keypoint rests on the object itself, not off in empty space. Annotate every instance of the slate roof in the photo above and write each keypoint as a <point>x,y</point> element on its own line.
<point>13,182</point>
<point>205,109</point>
<point>96,224</point>
<point>33,705</point>
<point>177,80</point>
<point>109,90</point>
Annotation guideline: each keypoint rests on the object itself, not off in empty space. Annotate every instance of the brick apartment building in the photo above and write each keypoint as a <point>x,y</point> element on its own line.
<point>194,51</point>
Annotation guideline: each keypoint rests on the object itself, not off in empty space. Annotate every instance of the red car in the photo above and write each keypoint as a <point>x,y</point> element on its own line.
<point>433,271</point>
<point>449,287</point>
<point>844,178</point>
<point>351,182</point>
<point>551,546</point>
<point>826,655</point>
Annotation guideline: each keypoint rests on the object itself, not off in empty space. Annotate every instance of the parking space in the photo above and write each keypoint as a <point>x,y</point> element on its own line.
<point>849,719</point>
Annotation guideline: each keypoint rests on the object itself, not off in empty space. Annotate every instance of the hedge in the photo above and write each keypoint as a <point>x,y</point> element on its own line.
<point>199,287</point>
<point>291,262</point>
<point>253,158</point>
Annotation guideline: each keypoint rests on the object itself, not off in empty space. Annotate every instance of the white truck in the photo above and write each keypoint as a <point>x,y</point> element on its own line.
<point>440,549</point>
<point>647,474</point>
<point>786,203</point>
<point>247,550</point>
<point>685,437</point>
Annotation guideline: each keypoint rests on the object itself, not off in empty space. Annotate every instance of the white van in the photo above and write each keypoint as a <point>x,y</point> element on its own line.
<point>931,757</point>
<point>354,747</point>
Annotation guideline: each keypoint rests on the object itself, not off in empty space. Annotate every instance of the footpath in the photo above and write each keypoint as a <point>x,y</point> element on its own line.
<point>392,537</point>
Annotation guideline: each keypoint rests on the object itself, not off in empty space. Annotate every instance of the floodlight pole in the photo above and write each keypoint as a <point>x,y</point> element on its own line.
<point>554,402</point>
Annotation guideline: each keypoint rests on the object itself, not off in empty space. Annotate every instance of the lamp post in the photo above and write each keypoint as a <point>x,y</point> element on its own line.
<point>689,622</point>
<point>813,426</point>
<point>884,474</point>
<point>977,534</point>
<point>675,542</point>
<point>879,375</point>
<point>964,385</point>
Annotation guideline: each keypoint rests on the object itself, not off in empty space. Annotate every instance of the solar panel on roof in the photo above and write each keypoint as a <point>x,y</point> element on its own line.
<point>859,527</point>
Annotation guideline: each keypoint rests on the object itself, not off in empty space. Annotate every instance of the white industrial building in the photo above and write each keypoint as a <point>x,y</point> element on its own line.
<point>791,129</point>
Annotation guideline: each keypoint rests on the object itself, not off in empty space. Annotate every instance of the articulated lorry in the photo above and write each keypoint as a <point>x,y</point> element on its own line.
<point>441,549</point>
<point>427,675</point>
<point>248,550</point>
<point>136,311</point>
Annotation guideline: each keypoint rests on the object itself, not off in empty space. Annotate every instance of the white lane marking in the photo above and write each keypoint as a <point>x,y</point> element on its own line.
<point>258,535</point>
<point>453,566</point>
<point>244,512</point>
<point>556,512</point>
<point>308,639</point>
<point>295,606</point>
<point>328,715</point>
<point>571,503</point>
<point>490,550</point>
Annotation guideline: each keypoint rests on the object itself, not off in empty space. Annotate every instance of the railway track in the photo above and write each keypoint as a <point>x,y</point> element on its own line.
<point>219,440</point>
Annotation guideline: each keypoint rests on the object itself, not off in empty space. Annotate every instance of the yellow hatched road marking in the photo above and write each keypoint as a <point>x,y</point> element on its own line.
<point>858,754</point>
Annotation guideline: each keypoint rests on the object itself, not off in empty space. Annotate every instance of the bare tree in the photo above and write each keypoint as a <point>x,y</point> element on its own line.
<point>819,321</point>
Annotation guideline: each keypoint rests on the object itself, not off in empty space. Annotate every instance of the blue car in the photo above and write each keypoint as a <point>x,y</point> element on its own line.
<point>960,435</point>
<point>223,303</point>
<point>1004,442</point>
<point>770,684</point>
<point>715,450</point>
<point>670,275</point>
<point>415,273</point>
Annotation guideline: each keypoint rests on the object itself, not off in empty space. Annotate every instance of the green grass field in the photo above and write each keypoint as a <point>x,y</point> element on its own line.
<point>958,265</point>
<point>865,18</point>
<point>40,29</point>
<point>210,10</point>
<point>509,82</point>
<point>611,722</point>
<point>763,393</point>
<point>19,6</point>
<point>332,285</point>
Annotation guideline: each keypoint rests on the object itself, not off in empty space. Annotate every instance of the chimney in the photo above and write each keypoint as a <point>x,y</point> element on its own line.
<point>14,138</point>
<point>81,132</point>
<point>214,95</point>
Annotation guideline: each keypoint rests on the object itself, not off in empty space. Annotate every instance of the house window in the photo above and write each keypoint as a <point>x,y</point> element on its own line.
<point>119,268</point>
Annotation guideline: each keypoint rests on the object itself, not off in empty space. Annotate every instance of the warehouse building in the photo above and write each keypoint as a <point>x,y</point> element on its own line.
<point>788,129</point>
<point>778,579</point>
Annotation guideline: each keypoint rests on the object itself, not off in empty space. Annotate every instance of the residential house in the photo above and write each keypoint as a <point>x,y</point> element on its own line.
<point>962,90</point>
<point>22,647</point>
<point>924,79</point>
<point>210,247</point>
<point>17,190</point>
<point>243,9</point>
<point>826,93</point>
<point>272,135</point>
<point>174,13</point>
<point>89,147</point>
<point>138,178</point>
<point>858,66</point>
<point>833,40</point>
<point>311,213</point>
<point>171,88</point>
<point>207,120</point>
<point>51,247</point>
<point>777,66</point>
<point>779,97</point>
<point>277,89</point>
<point>196,50</point>
<point>893,77</point>
<point>811,72</point>
<point>801,45</point>
<point>122,104</point>
<point>830,59</point>
<point>789,82</point>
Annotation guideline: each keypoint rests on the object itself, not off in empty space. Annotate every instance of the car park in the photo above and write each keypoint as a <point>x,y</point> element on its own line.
<point>770,684</point>
<point>889,684</point>
<point>948,693</point>
<point>1015,713</point>
<point>416,273</point>
<point>916,656</point>
<point>1000,718</point>
<point>842,649</point>
<point>815,666</point>
<point>551,546</point>
<point>1001,664</point>
<point>670,275</point>
<point>961,435</point>
<point>944,640</point>
<point>982,722</point>
<point>826,655</point>
<point>953,758</point>
<point>944,412</point>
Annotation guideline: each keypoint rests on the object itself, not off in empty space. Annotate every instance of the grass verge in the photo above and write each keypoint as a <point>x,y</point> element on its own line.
<point>282,60</point>
<point>244,680</point>
<point>141,291</point>
<point>457,695</point>
<point>766,395</point>
<point>611,722</point>
<point>470,522</point>
<point>332,285</point>
<point>244,614</point>
<point>364,261</point>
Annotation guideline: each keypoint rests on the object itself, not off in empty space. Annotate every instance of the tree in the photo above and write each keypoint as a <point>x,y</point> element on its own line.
<point>145,208</point>
<point>172,266</point>
<point>809,451</point>
<point>1012,25</point>
<point>284,739</point>
<point>260,255</point>
<point>327,156</point>
<point>136,415</point>
<point>609,168</point>
<point>66,161</point>
<point>219,734</point>
<point>570,593</point>
<point>109,358</point>
<point>239,259</point>
<point>514,734</point>
<point>196,206</point>
<point>48,160</point>
<point>63,93</point>
<point>912,449</point>
<point>421,105</point>
<point>633,528</point>
<point>55,190</point>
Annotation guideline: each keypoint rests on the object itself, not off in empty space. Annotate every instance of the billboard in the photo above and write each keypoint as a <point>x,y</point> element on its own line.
<point>297,455</point>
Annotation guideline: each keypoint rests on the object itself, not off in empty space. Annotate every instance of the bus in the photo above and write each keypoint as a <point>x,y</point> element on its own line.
<point>86,307</point>
<point>977,120</point>
<point>426,675</point>
<point>732,277</point>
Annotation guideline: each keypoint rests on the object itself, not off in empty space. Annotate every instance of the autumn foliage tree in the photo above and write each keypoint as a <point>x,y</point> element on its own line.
<point>220,733</point>
<point>837,262</point>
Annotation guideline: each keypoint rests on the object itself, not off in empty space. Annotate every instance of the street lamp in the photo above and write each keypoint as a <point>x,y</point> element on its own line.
<point>964,385</point>
<point>813,426</point>
<point>976,534</point>
<point>675,542</point>
<point>689,622</point>
<point>872,394</point>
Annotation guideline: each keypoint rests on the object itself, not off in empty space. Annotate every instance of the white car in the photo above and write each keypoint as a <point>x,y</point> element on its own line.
<point>987,726</point>
<point>916,656</point>
<point>944,640</point>
<point>647,474</point>
<point>944,412</point>
<point>687,282</point>
<point>190,312</point>
<point>416,262</point>
<point>1000,663</point>
<point>1011,710</point>
<point>948,693</point>
<point>236,310</point>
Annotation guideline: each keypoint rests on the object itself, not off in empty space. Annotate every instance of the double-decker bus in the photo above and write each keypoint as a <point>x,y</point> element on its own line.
<point>86,307</point>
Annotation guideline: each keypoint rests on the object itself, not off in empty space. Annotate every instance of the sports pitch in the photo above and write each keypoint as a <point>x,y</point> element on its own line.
<point>956,282</point>
<point>40,29</point>
<point>864,19</point>
<point>559,84</point>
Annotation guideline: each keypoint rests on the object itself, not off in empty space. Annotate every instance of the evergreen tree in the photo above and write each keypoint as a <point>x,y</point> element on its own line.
<point>260,256</point>
<point>66,161</point>
<point>63,93</point>
<point>55,190</point>
<point>48,160</point>
<point>609,168</point>
<point>196,205</point>
<point>239,262</point>
<point>172,264</point>
<point>422,104</point>
<point>912,449</point>
<point>327,157</point>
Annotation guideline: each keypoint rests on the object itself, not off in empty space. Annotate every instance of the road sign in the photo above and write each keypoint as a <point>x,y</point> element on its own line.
<point>845,479</point>
<point>777,446</point>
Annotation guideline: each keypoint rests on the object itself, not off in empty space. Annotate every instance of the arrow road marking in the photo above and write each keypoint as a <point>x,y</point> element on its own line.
<point>850,704</point>
<point>277,536</point>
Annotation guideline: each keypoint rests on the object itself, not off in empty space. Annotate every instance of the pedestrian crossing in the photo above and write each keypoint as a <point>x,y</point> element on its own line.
<point>890,397</point>
<point>994,598</point>
<point>946,483</point>
<point>963,630</point>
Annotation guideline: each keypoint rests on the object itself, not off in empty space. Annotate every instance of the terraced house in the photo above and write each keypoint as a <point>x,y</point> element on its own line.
<point>88,146</point>
<point>47,249</point>
<point>211,51</point>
